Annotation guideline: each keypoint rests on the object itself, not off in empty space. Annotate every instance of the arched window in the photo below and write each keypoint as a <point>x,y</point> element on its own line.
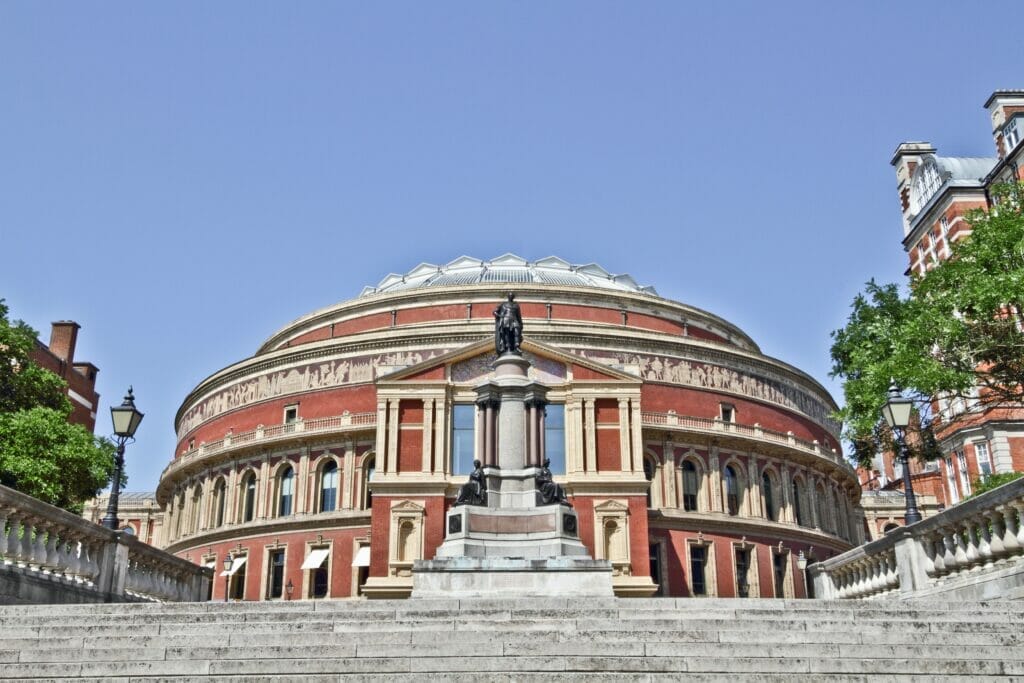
<point>768,495</point>
<point>369,468</point>
<point>732,491</point>
<point>649,476</point>
<point>690,486</point>
<point>821,501</point>
<point>197,506</point>
<point>219,500</point>
<point>248,496</point>
<point>287,487</point>
<point>329,487</point>
<point>798,503</point>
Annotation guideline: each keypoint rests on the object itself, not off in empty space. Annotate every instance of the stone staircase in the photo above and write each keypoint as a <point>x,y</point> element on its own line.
<point>595,639</point>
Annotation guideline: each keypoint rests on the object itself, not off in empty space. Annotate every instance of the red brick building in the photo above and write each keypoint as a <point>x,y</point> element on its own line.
<point>935,192</point>
<point>59,358</point>
<point>697,465</point>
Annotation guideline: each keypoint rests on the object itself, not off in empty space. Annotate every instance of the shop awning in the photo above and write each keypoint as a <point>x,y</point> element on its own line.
<point>236,564</point>
<point>316,558</point>
<point>362,558</point>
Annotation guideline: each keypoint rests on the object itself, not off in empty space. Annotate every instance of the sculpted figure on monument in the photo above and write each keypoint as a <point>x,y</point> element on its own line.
<point>548,492</point>
<point>474,491</point>
<point>508,326</point>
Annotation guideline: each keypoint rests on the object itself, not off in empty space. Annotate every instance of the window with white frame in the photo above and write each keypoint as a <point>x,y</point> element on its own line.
<point>728,412</point>
<point>1011,134</point>
<point>984,458</point>
<point>925,183</point>
<point>965,477</point>
<point>951,480</point>
<point>291,414</point>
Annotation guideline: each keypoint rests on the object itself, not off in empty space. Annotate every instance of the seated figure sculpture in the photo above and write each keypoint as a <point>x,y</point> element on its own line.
<point>474,491</point>
<point>548,492</point>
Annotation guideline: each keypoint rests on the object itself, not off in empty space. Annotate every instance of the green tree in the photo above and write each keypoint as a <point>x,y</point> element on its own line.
<point>958,333</point>
<point>41,453</point>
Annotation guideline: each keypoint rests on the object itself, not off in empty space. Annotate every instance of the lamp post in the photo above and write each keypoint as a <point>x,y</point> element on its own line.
<point>227,574</point>
<point>126,418</point>
<point>896,412</point>
<point>801,564</point>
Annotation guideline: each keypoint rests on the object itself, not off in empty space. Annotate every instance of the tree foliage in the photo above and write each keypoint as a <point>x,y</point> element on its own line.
<point>41,453</point>
<point>957,333</point>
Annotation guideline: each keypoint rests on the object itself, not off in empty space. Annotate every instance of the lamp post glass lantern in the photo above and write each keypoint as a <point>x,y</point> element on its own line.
<point>126,418</point>
<point>227,575</point>
<point>896,412</point>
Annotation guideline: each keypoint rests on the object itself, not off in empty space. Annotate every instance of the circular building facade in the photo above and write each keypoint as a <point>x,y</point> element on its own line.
<point>324,464</point>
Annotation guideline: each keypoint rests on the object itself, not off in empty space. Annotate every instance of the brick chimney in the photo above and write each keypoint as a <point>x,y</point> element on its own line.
<point>63,337</point>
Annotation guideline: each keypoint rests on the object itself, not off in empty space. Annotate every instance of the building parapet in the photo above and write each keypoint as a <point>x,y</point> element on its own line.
<point>974,550</point>
<point>50,555</point>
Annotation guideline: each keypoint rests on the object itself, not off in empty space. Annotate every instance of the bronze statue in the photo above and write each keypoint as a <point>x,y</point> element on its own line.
<point>474,491</point>
<point>508,326</point>
<point>548,492</point>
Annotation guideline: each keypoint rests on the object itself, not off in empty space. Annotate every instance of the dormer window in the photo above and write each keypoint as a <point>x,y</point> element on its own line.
<point>926,183</point>
<point>1011,133</point>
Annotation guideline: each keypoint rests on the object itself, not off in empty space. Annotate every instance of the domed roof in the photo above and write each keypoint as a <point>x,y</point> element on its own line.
<point>510,269</point>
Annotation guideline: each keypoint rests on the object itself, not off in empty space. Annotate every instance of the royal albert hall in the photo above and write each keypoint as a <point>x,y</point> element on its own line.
<point>323,465</point>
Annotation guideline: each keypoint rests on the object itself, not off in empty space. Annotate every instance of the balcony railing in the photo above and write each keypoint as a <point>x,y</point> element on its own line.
<point>261,435</point>
<point>671,420</point>
<point>50,555</point>
<point>974,550</point>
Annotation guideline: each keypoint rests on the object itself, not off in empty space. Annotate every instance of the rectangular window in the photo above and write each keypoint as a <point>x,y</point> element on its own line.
<point>779,566</point>
<point>1011,134</point>
<point>965,478</point>
<point>654,560</point>
<point>291,414</point>
<point>237,587</point>
<point>554,436</point>
<point>951,481</point>
<point>463,438</point>
<point>275,580</point>
<point>728,412</point>
<point>698,569</point>
<point>318,565</point>
<point>742,573</point>
<point>981,454</point>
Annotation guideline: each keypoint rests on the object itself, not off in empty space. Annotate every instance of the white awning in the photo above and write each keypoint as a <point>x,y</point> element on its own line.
<point>316,558</point>
<point>362,558</point>
<point>211,564</point>
<point>236,564</point>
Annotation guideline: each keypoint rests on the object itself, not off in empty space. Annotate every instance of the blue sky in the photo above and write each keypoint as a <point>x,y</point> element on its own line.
<point>185,178</point>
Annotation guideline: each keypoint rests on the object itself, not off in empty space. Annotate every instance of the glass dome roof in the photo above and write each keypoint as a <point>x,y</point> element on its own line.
<point>510,269</point>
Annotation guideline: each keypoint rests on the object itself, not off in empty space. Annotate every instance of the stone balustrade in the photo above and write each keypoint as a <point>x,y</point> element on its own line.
<point>672,420</point>
<point>266,435</point>
<point>974,550</point>
<point>52,556</point>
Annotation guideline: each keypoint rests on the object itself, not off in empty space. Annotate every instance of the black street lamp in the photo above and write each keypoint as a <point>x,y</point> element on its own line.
<point>896,412</point>
<point>126,418</point>
<point>227,574</point>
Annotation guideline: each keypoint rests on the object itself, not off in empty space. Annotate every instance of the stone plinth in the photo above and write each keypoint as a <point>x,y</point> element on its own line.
<point>476,531</point>
<point>470,577</point>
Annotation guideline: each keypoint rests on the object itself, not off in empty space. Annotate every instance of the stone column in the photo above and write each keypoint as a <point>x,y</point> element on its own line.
<point>302,482</point>
<point>382,432</point>
<point>263,490</point>
<point>348,476</point>
<point>428,435</point>
<point>624,437</point>
<point>715,478</point>
<point>231,495</point>
<point>754,487</point>
<point>591,435</point>
<point>669,475</point>
<point>787,488</point>
<point>636,424</point>
<point>574,442</point>
<point>391,461</point>
<point>812,502</point>
<point>542,438</point>
<point>489,459</point>
<point>441,432</point>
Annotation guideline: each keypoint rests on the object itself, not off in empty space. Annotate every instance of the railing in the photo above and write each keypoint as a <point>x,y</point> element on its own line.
<point>51,555</point>
<point>716,426</point>
<point>261,434</point>
<point>972,550</point>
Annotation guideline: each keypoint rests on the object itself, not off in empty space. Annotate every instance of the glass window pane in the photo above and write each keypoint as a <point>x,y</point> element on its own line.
<point>554,437</point>
<point>463,438</point>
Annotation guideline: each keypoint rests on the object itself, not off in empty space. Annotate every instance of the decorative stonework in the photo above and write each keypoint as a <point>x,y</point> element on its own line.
<point>740,379</point>
<point>542,369</point>
<point>324,375</point>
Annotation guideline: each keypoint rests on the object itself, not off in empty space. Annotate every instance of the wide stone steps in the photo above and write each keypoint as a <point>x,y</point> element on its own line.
<point>515,640</point>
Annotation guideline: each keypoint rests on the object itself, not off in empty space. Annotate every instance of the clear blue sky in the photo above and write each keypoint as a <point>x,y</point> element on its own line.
<point>185,178</point>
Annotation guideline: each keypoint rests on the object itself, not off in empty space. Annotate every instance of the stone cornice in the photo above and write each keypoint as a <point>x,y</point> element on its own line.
<point>719,522</point>
<point>322,522</point>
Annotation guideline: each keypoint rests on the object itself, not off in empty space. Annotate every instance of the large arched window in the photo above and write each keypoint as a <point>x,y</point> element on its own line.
<point>248,491</point>
<point>732,491</point>
<point>771,513</point>
<point>329,487</point>
<point>691,486</point>
<point>219,500</point>
<point>799,503</point>
<point>286,491</point>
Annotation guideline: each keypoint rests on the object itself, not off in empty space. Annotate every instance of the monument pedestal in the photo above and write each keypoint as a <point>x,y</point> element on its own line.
<point>514,546</point>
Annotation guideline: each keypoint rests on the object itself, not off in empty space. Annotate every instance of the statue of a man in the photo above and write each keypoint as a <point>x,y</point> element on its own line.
<point>508,326</point>
<point>548,492</point>
<point>474,491</point>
